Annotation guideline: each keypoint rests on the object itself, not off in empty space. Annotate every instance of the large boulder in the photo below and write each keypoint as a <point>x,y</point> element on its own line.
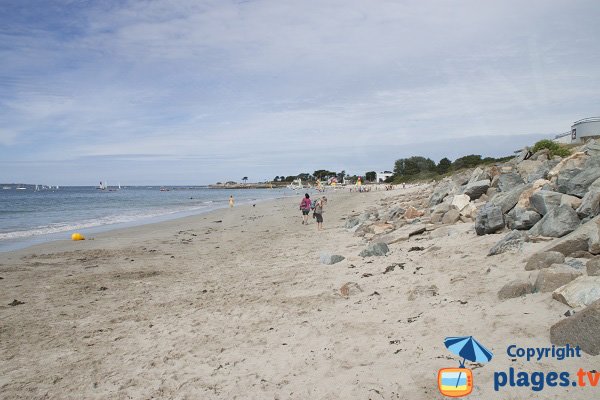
<point>581,292</point>
<point>593,267</point>
<point>451,217</point>
<point>516,288</point>
<point>475,189</point>
<point>542,171</point>
<point>544,201</point>
<point>478,174</point>
<point>508,181</point>
<point>507,200</point>
<point>351,223</point>
<point>544,260</point>
<point>441,191</point>
<point>460,201</point>
<point>579,330</point>
<point>412,213</point>
<point>489,219</point>
<point>513,241</point>
<point>571,201</point>
<point>557,275</point>
<point>578,184</point>
<point>557,223</point>
<point>585,238</point>
<point>573,162</point>
<point>590,205</point>
<point>377,249</point>
<point>522,218</point>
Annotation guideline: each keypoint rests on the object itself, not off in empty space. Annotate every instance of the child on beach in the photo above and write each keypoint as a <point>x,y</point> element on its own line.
<point>318,214</point>
<point>231,201</point>
<point>305,208</point>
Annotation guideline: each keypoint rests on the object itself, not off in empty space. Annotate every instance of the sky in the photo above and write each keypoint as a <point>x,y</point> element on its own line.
<point>193,92</point>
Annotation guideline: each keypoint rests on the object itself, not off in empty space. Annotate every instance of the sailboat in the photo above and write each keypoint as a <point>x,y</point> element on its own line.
<point>102,186</point>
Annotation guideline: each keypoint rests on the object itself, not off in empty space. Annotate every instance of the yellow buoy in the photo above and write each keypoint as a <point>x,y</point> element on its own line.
<point>77,236</point>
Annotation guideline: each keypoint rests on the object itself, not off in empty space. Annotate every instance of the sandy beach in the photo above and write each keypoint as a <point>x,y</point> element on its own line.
<point>235,304</point>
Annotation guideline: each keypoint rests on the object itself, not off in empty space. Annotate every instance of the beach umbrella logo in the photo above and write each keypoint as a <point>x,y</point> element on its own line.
<point>458,382</point>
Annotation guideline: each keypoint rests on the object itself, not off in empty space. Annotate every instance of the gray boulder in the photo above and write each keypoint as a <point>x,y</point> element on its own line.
<point>513,241</point>
<point>544,201</point>
<point>585,238</point>
<point>508,181</point>
<point>489,219</point>
<point>351,223</point>
<point>441,191</point>
<point>565,176</point>
<point>557,223</point>
<point>475,189</point>
<point>579,330</point>
<point>544,260</point>
<point>478,174</point>
<point>590,205</point>
<point>557,275</point>
<point>581,292</point>
<point>516,288</point>
<point>377,249</point>
<point>522,218</point>
<point>593,267</point>
<point>578,185</point>
<point>507,200</point>
<point>542,171</point>
<point>329,259</point>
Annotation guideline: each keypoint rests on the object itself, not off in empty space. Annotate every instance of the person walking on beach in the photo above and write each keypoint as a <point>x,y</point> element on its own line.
<point>318,214</point>
<point>231,201</point>
<point>305,208</point>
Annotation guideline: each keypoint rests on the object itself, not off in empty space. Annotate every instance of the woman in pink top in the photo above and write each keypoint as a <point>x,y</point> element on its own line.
<point>305,208</point>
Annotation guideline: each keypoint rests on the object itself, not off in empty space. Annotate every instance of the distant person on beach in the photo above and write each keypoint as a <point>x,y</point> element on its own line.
<point>318,214</point>
<point>305,208</point>
<point>231,201</point>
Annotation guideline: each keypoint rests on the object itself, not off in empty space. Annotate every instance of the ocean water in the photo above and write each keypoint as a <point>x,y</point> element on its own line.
<point>28,217</point>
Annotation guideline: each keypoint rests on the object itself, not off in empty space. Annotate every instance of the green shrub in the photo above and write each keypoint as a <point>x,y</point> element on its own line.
<point>554,148</point>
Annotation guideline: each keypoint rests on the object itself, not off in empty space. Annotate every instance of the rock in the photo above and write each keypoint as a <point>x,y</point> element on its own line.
<point>351,223</point>
<point>584,238</point>
<point>329,259</point>
<point>555,276</point>
<point>574,161</point>
<point>523,155</point>
<point>521,218</point>
<point>507,200</point>
<point>489,219</point>
<point>377,249</point>
<point>442,208</point>
<point>469,211</point>
<point>579,330</point>
<point>564,177</point>
<point>581,254</point>
<point>423,291</point>
<point>541,155</point>
<point>544,260</point>
<point>528,167</point>
<point>412,213</point>
<point>381,227</point>
<point>478,175</point>
<point>557,223</point>
<point>350,289</point>
<point>392,213</point>
<point>581,292</point>
<point>403,233</point>
<point>542,171</point>
<point>441,191</point>
<point>516,288</point>
<point>590,205</point>
<point>451,217</point>
<point>593,267</point>
<point>513,241</point>
<point>575,263</point>
<point>475,189</point>
<point>460,201</point>
<point>491,192</point>
<point>578,185</point>
<point>508,181</point>
<point>571,201</point>
<point>544,201</point>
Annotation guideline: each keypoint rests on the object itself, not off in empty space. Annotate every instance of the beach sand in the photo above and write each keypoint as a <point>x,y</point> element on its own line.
<point>235,304</point>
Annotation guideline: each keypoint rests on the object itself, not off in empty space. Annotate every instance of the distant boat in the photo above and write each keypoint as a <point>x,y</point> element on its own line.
<point>102,186</point>
<point>21,188</point>
<point>37,189</point>
<point>164,189</point>
<point>6,187</point>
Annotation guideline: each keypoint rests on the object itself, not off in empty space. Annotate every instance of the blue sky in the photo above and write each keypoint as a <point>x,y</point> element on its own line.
<point>193,92</point>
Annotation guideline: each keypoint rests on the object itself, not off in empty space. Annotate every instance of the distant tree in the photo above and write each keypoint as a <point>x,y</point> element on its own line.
<point>469,161</point>
<point>341,176</point>
<point>323,174</point>
<point>245,179</point>
<point>444,166</point>
<point>304,176</point>
<point>371,176</point>
<point>290,178</point>
<point>413,166</point>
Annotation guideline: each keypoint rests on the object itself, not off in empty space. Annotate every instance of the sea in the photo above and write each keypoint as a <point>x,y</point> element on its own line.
<point>30,217</point>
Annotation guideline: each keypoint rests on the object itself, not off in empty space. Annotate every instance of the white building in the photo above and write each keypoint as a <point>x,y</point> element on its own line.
<point>581,130</point>
<point>382,176</point>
